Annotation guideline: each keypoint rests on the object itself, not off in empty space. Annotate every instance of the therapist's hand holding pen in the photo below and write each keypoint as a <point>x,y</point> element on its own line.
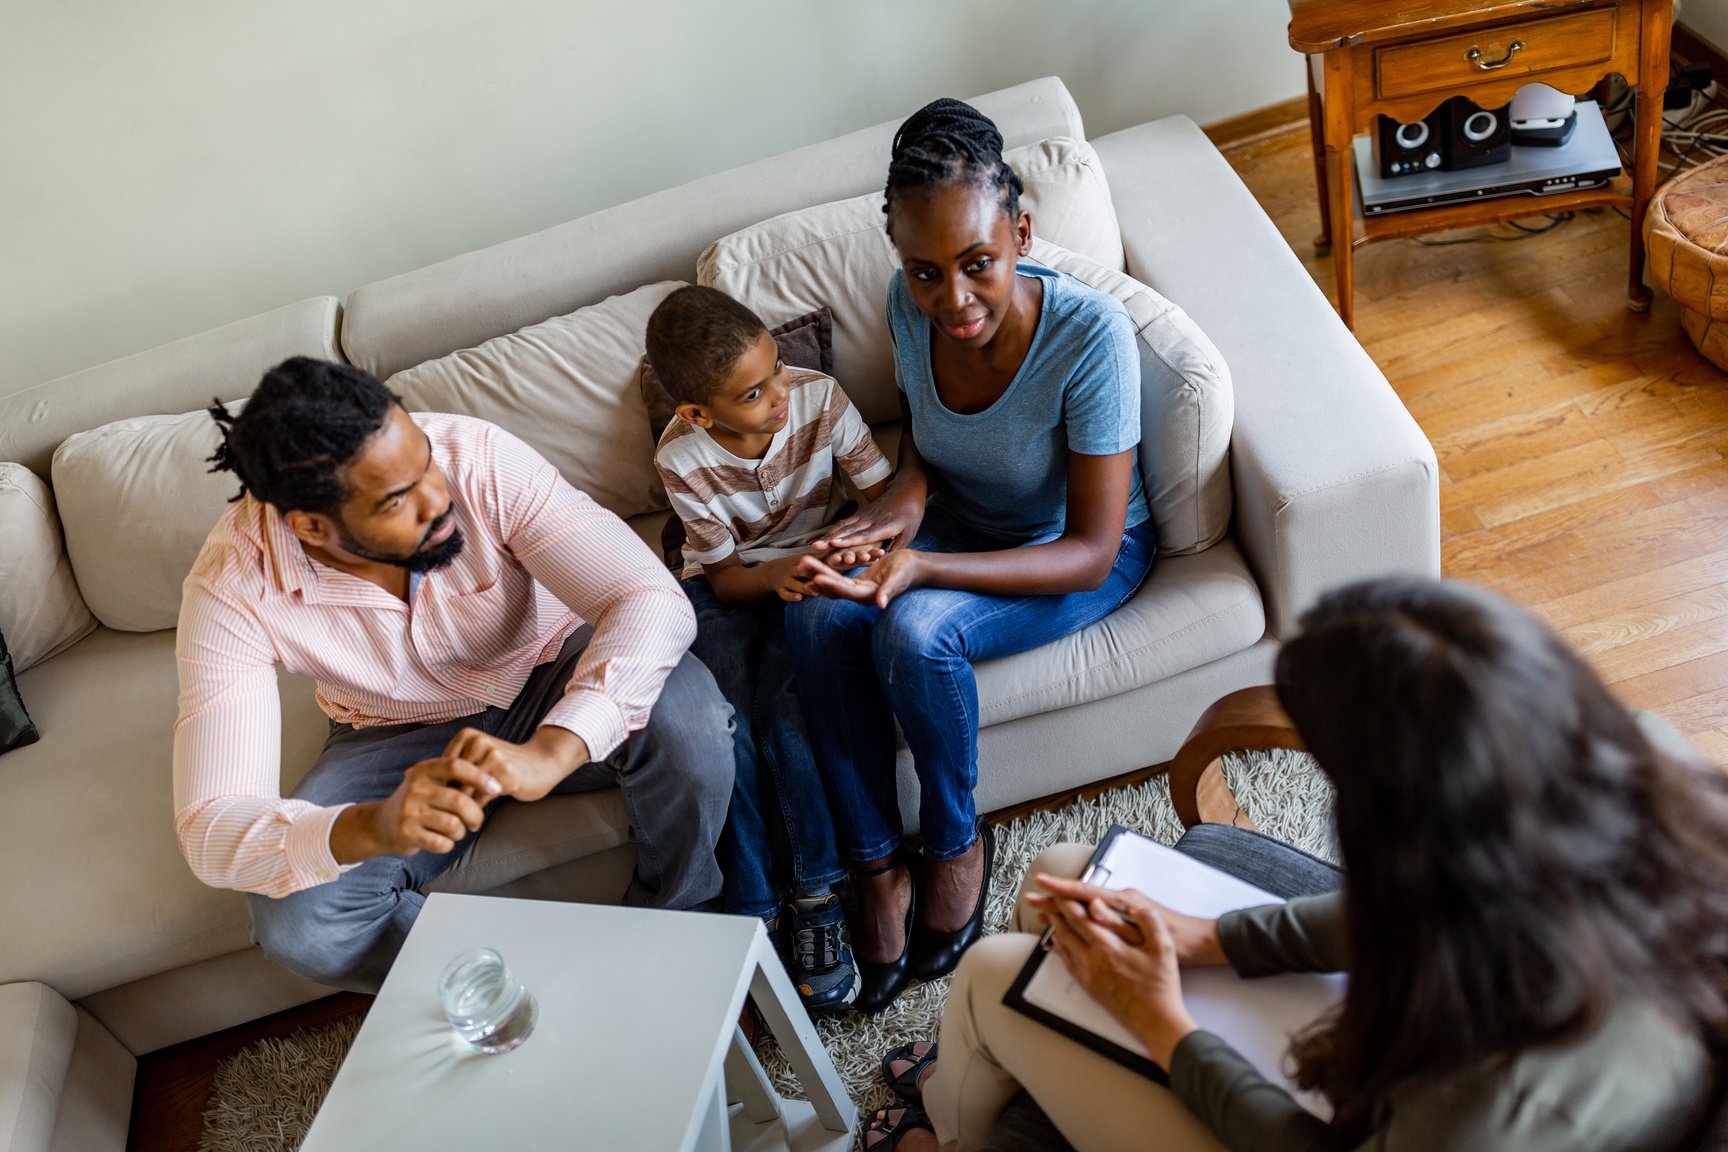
<point>1125,950</point>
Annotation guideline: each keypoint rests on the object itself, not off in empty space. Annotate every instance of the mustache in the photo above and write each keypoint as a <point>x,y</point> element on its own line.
<point>437,525</point>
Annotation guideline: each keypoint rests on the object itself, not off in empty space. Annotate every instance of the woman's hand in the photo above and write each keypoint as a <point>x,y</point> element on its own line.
<point>1195,937</point>
<point>897,572</point>
<point>1129,967</point>
<point>890,522</point>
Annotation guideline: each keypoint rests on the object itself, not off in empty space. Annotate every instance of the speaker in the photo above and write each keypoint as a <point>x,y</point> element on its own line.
<point>1404,149</point>
<point>1477,136</point>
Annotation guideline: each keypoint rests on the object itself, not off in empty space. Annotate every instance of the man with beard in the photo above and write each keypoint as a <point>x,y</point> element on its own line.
<point>478,629</point>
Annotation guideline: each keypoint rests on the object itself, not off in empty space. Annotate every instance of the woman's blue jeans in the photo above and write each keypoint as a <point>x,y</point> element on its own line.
<point>779,833</point>
<point>860,668</point>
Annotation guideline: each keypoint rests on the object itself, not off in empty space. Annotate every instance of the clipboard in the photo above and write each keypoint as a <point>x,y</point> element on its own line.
<point>1257,1016</point>
<point>1015,997</point>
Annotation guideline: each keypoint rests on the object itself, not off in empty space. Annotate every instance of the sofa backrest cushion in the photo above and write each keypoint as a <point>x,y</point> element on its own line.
<point>41,611</point>
<point>568,387</point>
<point>468,299</point>
<point>224,363</point>
<point>137,499</point>
<point>839,255</point>
<point>1186,408</point>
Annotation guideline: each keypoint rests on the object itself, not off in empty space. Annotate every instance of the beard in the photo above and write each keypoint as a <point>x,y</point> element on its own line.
<point>424,558</point>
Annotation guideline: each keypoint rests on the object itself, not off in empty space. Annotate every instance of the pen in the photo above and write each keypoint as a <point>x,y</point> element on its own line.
<point>1094,874</point>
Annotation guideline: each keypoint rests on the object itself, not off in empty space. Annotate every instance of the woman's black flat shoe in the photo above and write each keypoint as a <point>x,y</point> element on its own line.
<point>880,984</point>
<point>935,953</point>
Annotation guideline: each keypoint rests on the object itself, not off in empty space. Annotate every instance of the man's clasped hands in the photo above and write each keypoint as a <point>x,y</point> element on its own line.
<point>441,800</point>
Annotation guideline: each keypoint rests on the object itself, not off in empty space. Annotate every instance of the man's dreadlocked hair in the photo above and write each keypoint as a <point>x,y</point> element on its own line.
<point>306,422</point>
<point>948,142</point>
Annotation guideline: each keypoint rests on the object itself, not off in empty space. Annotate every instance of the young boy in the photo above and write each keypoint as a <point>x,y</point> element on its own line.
<point>748,462</point>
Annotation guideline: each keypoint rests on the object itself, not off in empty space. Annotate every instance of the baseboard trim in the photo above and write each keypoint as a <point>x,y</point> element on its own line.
<point>1265,121</point>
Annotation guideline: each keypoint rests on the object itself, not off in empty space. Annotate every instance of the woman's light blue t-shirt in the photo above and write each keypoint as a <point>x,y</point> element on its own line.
<point>1005,470</point>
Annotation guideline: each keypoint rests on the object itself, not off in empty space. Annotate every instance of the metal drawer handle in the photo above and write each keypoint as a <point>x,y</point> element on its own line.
<point>1475,56</point>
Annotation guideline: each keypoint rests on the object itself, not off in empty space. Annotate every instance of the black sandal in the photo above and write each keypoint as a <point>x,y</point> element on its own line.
<point>907,1084</point>
<point>889,1125</point>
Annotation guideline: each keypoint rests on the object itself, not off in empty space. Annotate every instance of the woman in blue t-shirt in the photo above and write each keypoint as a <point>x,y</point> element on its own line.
<point>1017,516</point>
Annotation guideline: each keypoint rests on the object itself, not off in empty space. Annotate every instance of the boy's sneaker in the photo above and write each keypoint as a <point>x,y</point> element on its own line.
<point>817,954</point>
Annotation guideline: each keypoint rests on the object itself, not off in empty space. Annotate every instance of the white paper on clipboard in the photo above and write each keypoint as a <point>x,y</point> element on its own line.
<point>1256,1016</point>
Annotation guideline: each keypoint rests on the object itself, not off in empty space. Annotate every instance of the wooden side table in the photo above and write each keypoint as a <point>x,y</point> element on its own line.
<point>1404,60</point>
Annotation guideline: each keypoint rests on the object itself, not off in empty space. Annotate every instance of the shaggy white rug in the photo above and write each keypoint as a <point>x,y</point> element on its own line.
<point>266,1095</point>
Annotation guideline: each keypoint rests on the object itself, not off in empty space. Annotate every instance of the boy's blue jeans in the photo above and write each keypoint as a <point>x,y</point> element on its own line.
<point>777,792</point>
<point>861,668</point>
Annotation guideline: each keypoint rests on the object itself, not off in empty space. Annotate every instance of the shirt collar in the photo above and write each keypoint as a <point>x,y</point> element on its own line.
<point>286,564</point>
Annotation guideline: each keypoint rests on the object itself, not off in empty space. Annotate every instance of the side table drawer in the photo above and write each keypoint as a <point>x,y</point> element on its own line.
<point>1446,65</point>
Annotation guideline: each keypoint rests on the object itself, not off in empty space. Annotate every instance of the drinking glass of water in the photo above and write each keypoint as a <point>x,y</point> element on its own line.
<point>486,1004</point>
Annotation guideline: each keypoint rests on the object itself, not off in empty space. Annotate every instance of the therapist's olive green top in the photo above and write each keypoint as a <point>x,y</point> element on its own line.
<point>1637,1081</point>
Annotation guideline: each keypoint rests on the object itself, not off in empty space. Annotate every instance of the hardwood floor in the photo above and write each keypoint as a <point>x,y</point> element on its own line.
<point>1583,473</point>
<point>1582,446</point>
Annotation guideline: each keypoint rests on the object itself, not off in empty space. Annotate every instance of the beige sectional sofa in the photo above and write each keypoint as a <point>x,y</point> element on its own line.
<point>1282,464</point>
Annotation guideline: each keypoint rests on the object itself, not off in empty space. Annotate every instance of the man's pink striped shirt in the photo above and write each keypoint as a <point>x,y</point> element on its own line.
<point>540,558</point>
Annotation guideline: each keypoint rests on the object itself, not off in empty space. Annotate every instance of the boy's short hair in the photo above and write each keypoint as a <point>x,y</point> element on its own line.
<point>694,338</point>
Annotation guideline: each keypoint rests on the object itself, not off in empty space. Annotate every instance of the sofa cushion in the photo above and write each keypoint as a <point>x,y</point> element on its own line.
<point>568,387</point>
<point>224,363</point>
<point>137,498</point>
<point>41,611</point>
<point>839,255</point>
<point>1186,408</point>
<point>88,826</point>
<point>1190,611</point>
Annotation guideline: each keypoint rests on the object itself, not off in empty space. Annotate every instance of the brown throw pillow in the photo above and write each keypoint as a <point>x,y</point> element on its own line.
<point>807,342</point>
<point>16,729</point>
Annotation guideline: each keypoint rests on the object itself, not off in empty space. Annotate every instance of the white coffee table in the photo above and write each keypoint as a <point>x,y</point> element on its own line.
<point>637,1045</point>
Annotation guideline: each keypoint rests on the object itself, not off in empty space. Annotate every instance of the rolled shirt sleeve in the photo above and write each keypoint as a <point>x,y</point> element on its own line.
<point>234,827</point>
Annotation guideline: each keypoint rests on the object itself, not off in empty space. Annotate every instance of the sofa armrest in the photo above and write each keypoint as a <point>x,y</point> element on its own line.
<point>38,1030</point>
<point>1334,480</point>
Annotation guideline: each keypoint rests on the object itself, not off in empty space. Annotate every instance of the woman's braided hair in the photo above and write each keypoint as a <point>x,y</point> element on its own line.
<point>948,142</point>
<point>306,422</point>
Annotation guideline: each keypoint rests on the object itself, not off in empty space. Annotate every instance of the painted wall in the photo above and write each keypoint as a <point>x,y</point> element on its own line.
<point>167,167</point>
<point>1708,18</point>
